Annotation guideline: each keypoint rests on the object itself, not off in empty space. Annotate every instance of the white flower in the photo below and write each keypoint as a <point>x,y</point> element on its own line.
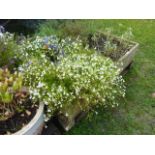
<point>1,35</point>
<point>35,92</point>
<point>40,85</point>
<point>66,115</point>
<point>49,110</point>
<point>21,69</point>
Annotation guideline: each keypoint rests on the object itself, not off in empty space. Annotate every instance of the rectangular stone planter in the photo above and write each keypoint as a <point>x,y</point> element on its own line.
<point>127,59</point>
<point>75,113</point>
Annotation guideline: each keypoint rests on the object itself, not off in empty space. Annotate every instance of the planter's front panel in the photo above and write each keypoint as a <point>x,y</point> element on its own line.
<point>68,116</point>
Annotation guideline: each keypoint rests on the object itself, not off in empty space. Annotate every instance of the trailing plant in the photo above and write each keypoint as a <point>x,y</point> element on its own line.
<point>12,94</point>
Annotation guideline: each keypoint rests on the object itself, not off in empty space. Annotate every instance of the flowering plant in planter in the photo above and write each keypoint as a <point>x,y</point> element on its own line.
<point>84,78</point>
<point>64,74</point>
<point>52,47</point>
<point>89,80</point>
<point>39,79</point>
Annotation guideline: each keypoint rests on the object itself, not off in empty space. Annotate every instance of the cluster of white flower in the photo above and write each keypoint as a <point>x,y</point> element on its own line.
<point>91,78</point>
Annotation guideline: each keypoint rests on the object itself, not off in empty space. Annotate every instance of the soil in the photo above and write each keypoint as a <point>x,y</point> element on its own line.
<point>53,127</point>
<point>19,120</point>
<point>99,42</point>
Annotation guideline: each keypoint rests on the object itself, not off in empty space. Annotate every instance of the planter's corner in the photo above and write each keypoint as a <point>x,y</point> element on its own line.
<point>127,59</point>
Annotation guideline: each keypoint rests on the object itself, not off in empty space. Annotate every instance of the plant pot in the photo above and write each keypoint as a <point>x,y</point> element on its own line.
<point>35,126</point>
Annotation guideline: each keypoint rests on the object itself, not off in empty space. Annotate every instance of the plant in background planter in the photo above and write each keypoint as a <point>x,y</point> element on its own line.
<point>120,50</point>
<point>16,109</point>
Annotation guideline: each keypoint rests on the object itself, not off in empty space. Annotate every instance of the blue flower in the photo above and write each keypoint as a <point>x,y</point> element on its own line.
<point>45,40</point>
<point>54,47</point>
<point>53,37</point>
<point>2,30</point>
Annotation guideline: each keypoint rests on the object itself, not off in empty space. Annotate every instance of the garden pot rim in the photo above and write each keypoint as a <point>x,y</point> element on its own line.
<point>32,122</point>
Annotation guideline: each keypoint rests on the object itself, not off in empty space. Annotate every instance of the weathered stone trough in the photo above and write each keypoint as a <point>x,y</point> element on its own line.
<point>127,59</point>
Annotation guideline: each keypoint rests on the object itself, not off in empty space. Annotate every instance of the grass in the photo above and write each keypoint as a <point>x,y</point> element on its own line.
<point>136,114</point>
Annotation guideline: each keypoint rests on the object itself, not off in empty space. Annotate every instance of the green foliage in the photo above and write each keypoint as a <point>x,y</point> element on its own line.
<point>12,94</point>
<point>38,76</point>
<point>51,47</point>
<point>80,77</point>
<point>109,48</point>
<point>51,27</point>
<point>9,51</point>
<point>65,28</point>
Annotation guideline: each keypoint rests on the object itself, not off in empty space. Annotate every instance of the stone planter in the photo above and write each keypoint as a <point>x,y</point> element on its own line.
<point>67,122</point>
<point>35,126</point>
<point>75,112</point>
<point>127,59</point>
